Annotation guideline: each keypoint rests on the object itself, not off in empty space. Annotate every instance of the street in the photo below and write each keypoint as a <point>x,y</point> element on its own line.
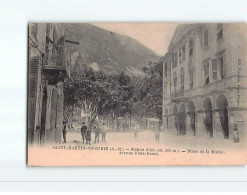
<point>146,138</point>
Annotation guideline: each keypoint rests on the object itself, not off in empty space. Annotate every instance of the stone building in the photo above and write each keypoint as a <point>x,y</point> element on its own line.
<point>204,81</point>
<point>48,66</point>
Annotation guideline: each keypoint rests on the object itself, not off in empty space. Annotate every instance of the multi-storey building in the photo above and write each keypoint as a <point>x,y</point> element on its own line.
<point>204,81</point>
<point>48,66</point>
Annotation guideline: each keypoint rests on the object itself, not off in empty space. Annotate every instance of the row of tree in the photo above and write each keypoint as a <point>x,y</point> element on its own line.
<point>98,94</point>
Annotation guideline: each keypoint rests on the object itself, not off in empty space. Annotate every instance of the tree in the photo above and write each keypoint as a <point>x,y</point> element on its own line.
<point>91,91</point>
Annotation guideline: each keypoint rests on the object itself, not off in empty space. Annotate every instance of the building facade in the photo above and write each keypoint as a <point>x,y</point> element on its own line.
<point>48,66</point>
<point>204,81</point>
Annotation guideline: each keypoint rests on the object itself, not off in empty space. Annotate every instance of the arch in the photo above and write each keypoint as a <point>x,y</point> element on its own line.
<point>182,120</point>
<point>208,121</point>
<point>191,111</point>
<point>222,104</point>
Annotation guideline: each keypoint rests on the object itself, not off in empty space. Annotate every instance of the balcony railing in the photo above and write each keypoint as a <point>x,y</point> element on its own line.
<point>177,93</point>
<point>56,58</point>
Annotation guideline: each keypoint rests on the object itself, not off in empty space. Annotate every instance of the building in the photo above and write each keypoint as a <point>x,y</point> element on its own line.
<point>48,67</point>
<point>204,81</point>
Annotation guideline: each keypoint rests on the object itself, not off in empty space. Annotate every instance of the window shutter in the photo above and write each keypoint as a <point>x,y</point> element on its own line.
<point>214,65</point>
<point>31,94</point>
<point>33,71</point>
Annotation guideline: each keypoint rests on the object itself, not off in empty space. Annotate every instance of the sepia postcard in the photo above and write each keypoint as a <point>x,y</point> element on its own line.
<point>136,94</point>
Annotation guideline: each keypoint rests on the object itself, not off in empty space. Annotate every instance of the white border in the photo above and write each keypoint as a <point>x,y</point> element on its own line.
<point>14,16</point>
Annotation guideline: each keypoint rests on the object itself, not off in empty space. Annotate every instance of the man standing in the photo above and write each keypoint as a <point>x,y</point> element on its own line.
<point>103,131</point>
<point>97,131</point>
<point>88,136</point>
<point>157,135</point>
<point>64,131</point>
<point>136,130</point>
<point>83,131</point>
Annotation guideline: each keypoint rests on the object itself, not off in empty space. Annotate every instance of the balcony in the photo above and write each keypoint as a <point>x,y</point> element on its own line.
<point>178,96</point>
<point>56,66</point>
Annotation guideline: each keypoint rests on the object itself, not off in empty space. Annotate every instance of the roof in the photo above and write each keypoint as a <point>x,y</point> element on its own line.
<point>180,32</point>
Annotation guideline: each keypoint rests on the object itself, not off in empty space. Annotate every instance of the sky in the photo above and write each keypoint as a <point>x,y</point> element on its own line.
<point>155,36</point>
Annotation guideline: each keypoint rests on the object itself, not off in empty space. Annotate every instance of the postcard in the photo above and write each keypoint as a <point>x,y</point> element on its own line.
<point>136,94</point>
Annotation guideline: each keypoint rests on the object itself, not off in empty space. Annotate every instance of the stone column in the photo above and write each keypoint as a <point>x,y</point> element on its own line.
<point>217,129</point>
<point>188,125</point>
<point>200,126</point>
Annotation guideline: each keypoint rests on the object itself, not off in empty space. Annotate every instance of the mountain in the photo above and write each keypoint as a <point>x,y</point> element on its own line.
<point>107,51</point>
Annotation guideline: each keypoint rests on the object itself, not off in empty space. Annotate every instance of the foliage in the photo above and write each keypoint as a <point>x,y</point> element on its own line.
<point>115,95</point>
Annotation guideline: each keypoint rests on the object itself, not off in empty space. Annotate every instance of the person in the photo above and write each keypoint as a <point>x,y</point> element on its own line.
<point>64,131</point>
<point>83,131</point>
<point>136,130</point>
<point>103,132</point>
<point>157,135</point>
<point>235,133</point>
<point>88,136</point>
<point>97,131</point>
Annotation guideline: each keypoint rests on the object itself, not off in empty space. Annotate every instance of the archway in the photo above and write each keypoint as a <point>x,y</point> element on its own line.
<point>182,120</point>
<point>208,121</point>
<point>43,117</point>
<point>222,105</point>
<point>191,109</point>
<point>175,114</point>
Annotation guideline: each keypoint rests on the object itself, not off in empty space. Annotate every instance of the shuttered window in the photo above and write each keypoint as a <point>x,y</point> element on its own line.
<point>31,87</point>
<point>214,69</point>
<point>33,71</point>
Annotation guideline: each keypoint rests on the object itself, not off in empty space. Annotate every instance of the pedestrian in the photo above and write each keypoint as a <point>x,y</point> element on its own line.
<point>97,131</point>
<point>157,135</point>
<point>235,133</point>
<point>88,136</point>
<point>136,131</point>
<point>103,132</point>
<point>83,131</point>
<point>64,131</point>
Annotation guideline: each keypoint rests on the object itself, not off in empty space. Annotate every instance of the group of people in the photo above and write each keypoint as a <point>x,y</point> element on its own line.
<point>136,128</point>
<point>101,129</point>
<point>97,129</point>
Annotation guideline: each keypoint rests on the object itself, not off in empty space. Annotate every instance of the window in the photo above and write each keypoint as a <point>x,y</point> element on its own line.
<point>34,30</point>
<point>219,31</point>
<point>191,47</point>
<point>165,69</point>
<point>206,72</point>
<point>191,78</point>
<point>175,80</point>
<point>183,53</point>
<point>205,36</point>
<point>214,69</point>
<point>180,55</point>
<point>221,67</point>
<point>169,68</point>
<point>175,59</point>
<point>165,91</point>
<point>182,78</point>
